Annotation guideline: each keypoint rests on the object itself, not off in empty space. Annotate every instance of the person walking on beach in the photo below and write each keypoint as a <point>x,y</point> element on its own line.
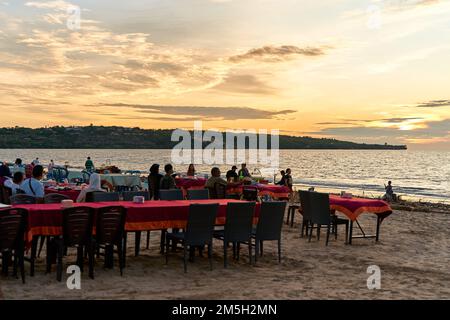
<point>89,165</point>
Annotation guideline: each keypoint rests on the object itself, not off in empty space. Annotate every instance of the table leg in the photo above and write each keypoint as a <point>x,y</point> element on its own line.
<point>350,232</point>
<point>378,229</point>
<point>124,253</point>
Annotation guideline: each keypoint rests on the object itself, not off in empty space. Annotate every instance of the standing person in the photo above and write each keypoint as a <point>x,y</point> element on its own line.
<point>15,182</point>
<point>243,173</point>
<point>191,170</point>
<point>95,185</point>
<point>33,186</point>
<point>89,165</point>
<point>167,182</point>
<point>154,181</point>
<point>50,170</point>
<point>35,162</point>
<point>232,176</point>
<point>288,179</point>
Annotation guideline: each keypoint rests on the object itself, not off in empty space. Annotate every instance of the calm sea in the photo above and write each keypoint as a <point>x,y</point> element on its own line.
<point>415,174</point>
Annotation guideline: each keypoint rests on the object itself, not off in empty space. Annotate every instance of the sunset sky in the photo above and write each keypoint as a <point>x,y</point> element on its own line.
<point>365,71</point>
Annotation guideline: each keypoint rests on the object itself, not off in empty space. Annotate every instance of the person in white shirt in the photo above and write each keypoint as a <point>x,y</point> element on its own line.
<point>15,182</point>
<point>95,185</point>
<point>33,186</point>
<point>36,162</point>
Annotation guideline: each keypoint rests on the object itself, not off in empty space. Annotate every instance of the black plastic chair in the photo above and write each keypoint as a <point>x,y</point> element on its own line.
<point>55,198</point>
<point>269,226</point>
<point>306,211</point>
<point>129,195</point>
<point>77,232</point>
<point>250,194</point>
<point>171,194</point>
<point>199,230</point>
<point>238,229</point>
<point>22,199</point>
<point>99,196</point>
<point>320,215</point>
<point>110,232</point>
<point>220,191</point>
<point>13,224</point>
<point>198,194</point>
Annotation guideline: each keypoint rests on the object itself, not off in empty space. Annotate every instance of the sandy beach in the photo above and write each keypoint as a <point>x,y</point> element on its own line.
<point>413,255</point>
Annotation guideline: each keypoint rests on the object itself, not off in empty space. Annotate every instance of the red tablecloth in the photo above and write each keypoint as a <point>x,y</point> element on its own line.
<point>72,194</point>
<point>187,183</point>
<point>46,219</point>
<point>276,192</point>
<point>353,207</point>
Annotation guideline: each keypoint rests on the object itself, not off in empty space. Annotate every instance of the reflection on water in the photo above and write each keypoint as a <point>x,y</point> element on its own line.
<point>423,175</point>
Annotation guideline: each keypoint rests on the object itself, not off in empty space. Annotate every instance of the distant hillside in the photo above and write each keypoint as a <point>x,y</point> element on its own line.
<point>100,137</point>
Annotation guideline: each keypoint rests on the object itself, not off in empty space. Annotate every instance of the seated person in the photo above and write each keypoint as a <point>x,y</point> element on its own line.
<point>282,181</point>
<point>95,185</point>
<point>215,178</point>
<point>154,180</point>
<point>15,182</point>
<point>389,195</point>
<point>33,186</point>
<point>167,182</point>
<point>191,170</point>
<point>232,176</point>
<point>243,173</point>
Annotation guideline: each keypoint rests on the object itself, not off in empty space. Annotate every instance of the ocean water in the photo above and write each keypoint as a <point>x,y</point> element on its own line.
<point>418,175</point>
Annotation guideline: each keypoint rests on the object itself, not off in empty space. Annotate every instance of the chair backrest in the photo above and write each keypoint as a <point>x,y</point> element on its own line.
<point>77,225</point>
<point>172,194</point>
<point>110,225</point>
<point>270,220</point>
<point>5,194</point>
<point>200,224</point>
<point>221,190</point>
<point>12,228</point>
<point>305,204</point>
<point>250,194</point>
<point>55,198</point>
<point>99,196</point>
<point>198,194</point>
<point>22,199</point>
<point>320,208</point>
<point>239,221</point>
<point>129,195</point>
